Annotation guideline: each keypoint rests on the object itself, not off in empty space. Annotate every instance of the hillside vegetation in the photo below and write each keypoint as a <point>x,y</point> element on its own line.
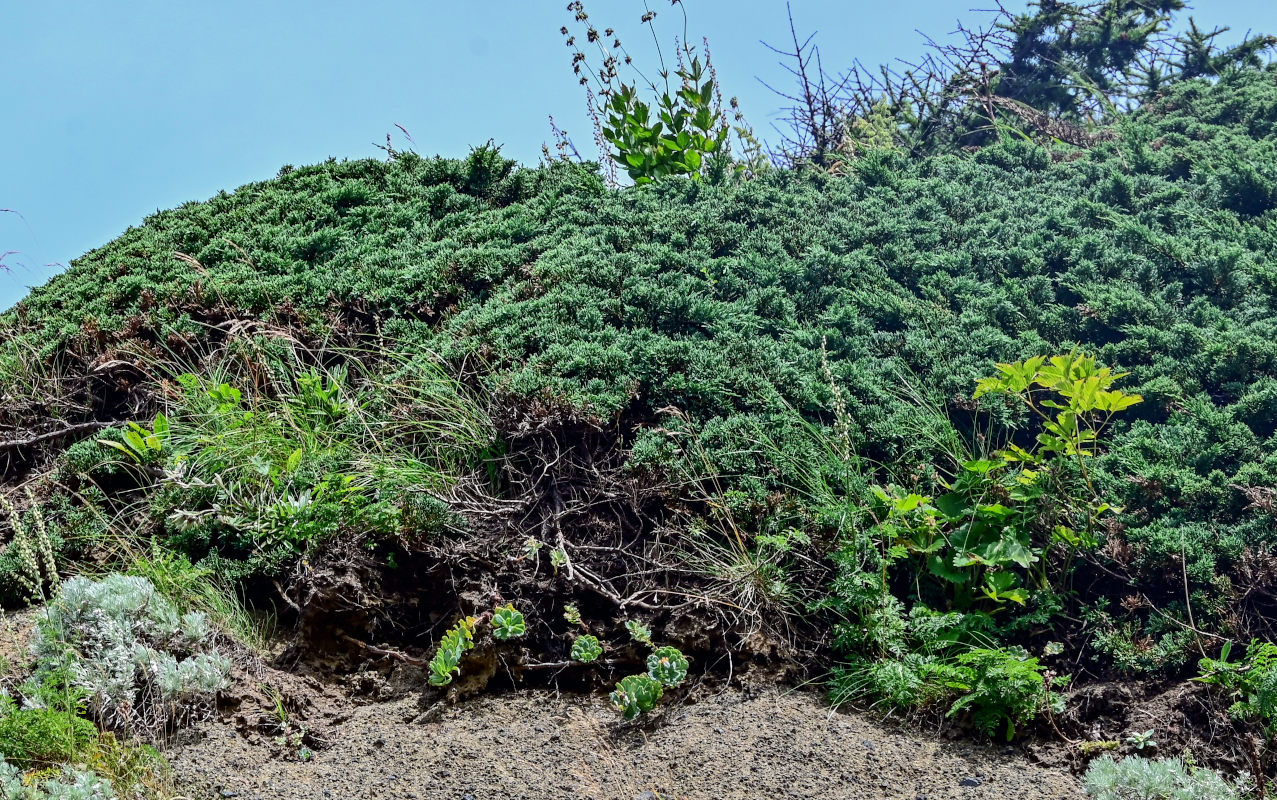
<point>755,419</point>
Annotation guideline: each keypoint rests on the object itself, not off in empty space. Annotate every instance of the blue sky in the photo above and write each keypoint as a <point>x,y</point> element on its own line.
<point>116,109</point>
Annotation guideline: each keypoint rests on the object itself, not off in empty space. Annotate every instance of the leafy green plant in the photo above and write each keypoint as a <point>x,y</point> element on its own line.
<point>139,444</point>
<point>927,659</point>
<point>636,694</point>
<point>558,558</point>
<point>1142,740</point>
<point>982,550</point>
<point>445,664</point>
<point>674,137</point>
<point>683,131</point>
<point>321,396</point>
<point>988,536</point>
<point>1000,689</point>
<point>508,623</point>
<point>1221,671</point>
<point>667,665</point>
<point>1073,397</point>
<point>1251,683</point>
<point>572,614</point>
<point>586,648</point>
<point>447,659</point>
<point>639,632</point>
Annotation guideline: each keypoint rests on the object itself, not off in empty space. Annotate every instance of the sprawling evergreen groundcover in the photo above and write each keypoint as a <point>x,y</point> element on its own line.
<point>749,402</point>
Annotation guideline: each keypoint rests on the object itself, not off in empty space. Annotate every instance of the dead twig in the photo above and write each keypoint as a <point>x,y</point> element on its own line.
<point>71,430</point>
<point>382,651</point>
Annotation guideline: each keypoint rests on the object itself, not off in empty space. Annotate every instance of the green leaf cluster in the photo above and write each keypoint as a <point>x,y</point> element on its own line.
<point>447,659</point>
<point>508,623</point>
<point>586,648</point>
<point>139,444</point>
<point>676,136</point>
<point>991,533</point>
<point>639,632</point>
<point>636,694</point>
<point>668,665</point>
<point>1251,683</point>
<point>952,660</point>
<point>1001,689</point>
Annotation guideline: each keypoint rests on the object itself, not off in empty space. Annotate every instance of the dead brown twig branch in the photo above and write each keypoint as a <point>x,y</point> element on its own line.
<point>70,430</point>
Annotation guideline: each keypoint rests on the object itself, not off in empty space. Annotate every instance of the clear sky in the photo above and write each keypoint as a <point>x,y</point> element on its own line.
<point>117,108</point>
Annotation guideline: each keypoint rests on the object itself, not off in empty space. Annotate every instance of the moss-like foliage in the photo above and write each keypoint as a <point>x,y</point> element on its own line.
<point>39,737</point>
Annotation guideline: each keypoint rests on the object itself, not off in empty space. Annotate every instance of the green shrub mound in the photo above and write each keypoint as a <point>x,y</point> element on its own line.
<point>794,331</point>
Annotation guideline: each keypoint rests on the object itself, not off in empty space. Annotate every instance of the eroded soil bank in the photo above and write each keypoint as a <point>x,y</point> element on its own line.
<point>534,745</point>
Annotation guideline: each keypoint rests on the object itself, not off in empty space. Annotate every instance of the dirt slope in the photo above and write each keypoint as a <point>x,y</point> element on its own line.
<point>535,745</point>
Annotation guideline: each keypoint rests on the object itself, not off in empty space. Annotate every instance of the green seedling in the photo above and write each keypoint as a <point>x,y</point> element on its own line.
<point>443,666</point>
<point>586,649</point>
<point>1142,741</point>
<point>508,623</point>
<point>667,665</point>
<point>636,694</point>
<point>572,614</point>
<point>558,558</point>
<point>639,632</point>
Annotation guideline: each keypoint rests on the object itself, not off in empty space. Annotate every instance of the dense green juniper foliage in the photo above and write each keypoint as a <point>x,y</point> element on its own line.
<point>794,357</point>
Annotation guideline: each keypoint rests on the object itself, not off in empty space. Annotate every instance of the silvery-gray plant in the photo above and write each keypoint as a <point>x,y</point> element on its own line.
<point>1157,779</point>
<point>143,665</point>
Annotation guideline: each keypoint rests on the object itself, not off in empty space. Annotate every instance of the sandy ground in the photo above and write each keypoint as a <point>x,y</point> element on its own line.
<point>533,745</point>
<point>737,744</point>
